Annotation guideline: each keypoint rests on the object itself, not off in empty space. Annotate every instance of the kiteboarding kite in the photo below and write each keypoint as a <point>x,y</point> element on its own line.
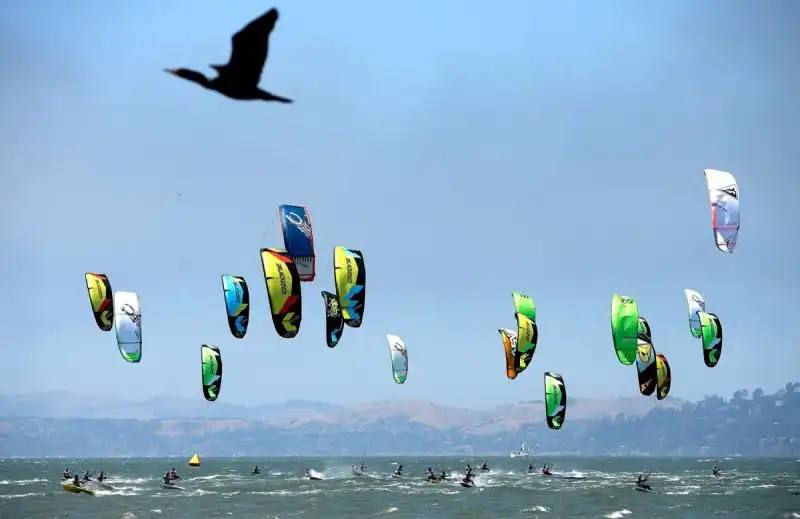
<point>646,366</point>
<point>298,238</point>
<point>283,291</point>
<point>696,305</point>
<point>334,324</point>
<point>399,357</point>
<point>516,362</point>
<point>101,299</point>
<point>527,329</point>
<point>211,364</point>
<point>711,335</point>
<point>723,192</point>
<point>128,325</point>
<point>664,377</point>
<point>237,304</point>
<point>350,277</point>
<point>555,399</point>
<point>624,328</point>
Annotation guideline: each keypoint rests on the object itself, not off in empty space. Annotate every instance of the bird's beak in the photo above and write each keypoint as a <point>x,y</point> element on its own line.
<point>171,71</point>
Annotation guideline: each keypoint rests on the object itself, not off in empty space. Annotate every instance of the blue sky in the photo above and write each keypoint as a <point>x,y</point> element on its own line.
<point>556,149</point>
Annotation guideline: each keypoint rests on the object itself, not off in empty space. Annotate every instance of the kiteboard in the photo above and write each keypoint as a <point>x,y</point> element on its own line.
<point>77,490</point>
<point>313,475</point>
<point>642,489</point>
<point>466,485</point>
<point>171,486</point>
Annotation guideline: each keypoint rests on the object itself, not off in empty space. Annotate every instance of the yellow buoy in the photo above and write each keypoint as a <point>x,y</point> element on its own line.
<point>194,461</point>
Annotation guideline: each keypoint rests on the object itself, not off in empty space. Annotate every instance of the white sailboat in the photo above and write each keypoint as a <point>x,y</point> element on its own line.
<point>523,451</point>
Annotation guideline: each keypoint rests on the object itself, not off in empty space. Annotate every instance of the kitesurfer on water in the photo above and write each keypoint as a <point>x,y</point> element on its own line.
<point>484,465</point>
<point>641,482</point>
<point>67,474</point>
<point>468,480</point>
<point>101,477</point>
<point>429,475</point>
<point>363,467</point>
<point>547,470</point>
<point>87,476</point>
<point>715,471</point>
<point>442,476</point>
<point>399,470</point>
<point>468,470</point>
<point>76,481</point>
<point>256,470</point>
<point>530,467</point>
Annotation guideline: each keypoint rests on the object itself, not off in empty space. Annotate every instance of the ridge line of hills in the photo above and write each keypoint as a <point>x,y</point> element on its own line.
<point>63,424</point>
<point>68,405</point>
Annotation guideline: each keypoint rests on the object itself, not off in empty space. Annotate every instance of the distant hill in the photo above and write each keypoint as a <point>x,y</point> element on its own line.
<point>63,404</point>
<point>62,424</point>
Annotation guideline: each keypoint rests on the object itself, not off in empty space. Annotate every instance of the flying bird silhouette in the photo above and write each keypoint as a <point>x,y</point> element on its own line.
<point>239,78</point>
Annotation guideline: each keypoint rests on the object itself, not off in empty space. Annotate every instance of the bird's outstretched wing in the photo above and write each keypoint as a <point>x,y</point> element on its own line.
<point>249,49</point>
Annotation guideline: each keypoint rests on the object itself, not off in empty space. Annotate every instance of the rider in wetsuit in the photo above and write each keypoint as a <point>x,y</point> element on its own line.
<point>398,471</point>
<point>67,474</point>
<point>76,481</point>
<point>715,471</point>
<point>484,465</point>
<point>87,476</point>
<point>256,470</point>
<point>641,482</point>
<point>101,477</point>
<point>530,467</point>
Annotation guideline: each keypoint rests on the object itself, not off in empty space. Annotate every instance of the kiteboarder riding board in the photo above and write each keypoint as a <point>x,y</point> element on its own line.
<point>77,490</point>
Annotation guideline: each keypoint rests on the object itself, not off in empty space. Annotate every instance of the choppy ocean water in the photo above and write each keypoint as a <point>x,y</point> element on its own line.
<point>579,488</point>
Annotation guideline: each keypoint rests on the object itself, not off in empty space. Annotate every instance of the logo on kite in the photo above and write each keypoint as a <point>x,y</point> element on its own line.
<point>333,308</point>
<point>130,312</point>
<point>731,191</point>
<point>301,224</point>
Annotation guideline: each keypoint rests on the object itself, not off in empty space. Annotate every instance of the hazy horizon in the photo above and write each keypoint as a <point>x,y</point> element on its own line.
<point>551,148</point>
